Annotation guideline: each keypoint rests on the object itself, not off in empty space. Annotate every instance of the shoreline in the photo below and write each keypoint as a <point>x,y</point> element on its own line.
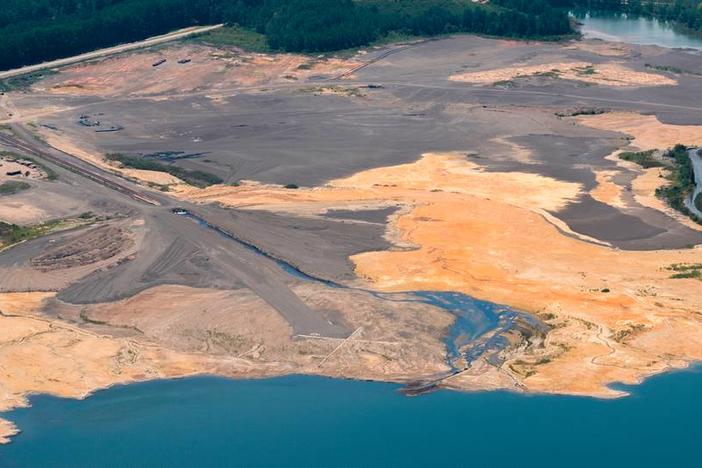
<point>9,430</point>
<point>462,220</point>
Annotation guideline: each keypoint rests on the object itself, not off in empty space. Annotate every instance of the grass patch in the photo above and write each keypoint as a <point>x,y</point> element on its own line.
<point>644,159</point>
<point>621,335</point>
<point>588,70</point>
<point>13,186</point>
<point>695,274</point>
<point>549,74</point>
<point>686,270</point>
<point>504,84</point>
<point>582,111</point>
<point>196,178</point>
<point>246,39</point>
<point>23,82</point>
<point>666,68</point>
<point>590,111</point>
<point>12,233</point>
<point>349,91</point>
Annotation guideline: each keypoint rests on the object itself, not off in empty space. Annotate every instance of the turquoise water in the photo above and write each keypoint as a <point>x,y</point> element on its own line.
<point>636,30</point>
<point>311,421</point>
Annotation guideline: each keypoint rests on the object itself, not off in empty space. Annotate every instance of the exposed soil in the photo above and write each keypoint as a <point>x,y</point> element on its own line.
<point>399,178</point>
<point>463,221</point>
<point>98,244</point>
<point>135,74</point>
<point>610,74</point>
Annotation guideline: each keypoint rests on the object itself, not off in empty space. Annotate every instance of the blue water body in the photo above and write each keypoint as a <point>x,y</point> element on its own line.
<point>312,421</point>
<point>636,30</point>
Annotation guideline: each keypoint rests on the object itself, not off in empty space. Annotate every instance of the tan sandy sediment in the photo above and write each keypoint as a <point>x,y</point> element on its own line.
<point>239,323</point>
<point>20,212</point>
<point>644,189</point>
<point>431,177</point>
<point>209,68</point>
<point>605,49</point>
<point>490,235</point>
<point>518,152</point>
<point>606,190</point>
<point>7,430</point>
<point>151,177</point>
<point>617,316</point>
<point>94,157</point>
<point>41,354</point>
<point>176,331</point>
<point>28,114</point>
<point>507,254</point>
<point>63,143</point>
<point>608,74</point>
<point>484,234</point>
<point>647,133</point>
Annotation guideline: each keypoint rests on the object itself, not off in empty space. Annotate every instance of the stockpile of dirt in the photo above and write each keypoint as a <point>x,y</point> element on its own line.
<point>95,245</point>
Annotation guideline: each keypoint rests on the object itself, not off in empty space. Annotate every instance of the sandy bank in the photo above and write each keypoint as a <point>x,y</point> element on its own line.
<point>64,350</point>
<point>608,74</point>
<point>483,234</point>
<point>646,130</point>
<point>45,355</point>
<point>7,430</point>
<point>647,133</point>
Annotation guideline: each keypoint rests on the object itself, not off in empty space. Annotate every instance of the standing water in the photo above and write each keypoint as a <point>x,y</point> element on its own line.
<point>313,421</point>
<point>620,27</point>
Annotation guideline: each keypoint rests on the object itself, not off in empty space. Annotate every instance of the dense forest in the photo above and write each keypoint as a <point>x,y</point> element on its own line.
<point>687,13</point>
<point>32,31</point>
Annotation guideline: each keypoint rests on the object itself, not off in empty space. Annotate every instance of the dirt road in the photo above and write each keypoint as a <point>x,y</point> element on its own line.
<point>67,161</point>
<point>172,36</point>
<point>175,250</point>
<point>697,169</point>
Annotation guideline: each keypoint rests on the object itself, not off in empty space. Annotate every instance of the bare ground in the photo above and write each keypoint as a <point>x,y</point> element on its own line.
<point>419,182</point>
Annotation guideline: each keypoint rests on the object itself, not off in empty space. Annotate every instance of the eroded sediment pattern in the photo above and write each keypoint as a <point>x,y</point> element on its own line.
<point>485,234</point>
<point>442,177</point>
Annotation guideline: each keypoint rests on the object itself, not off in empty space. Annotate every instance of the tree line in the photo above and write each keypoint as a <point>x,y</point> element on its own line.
<point>32,31</point>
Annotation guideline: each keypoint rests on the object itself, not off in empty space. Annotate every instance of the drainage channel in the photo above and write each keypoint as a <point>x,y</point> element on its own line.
<point>479,329</point>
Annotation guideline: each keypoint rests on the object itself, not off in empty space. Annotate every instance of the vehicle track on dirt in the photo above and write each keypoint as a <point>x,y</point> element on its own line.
<point>87,170</point>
